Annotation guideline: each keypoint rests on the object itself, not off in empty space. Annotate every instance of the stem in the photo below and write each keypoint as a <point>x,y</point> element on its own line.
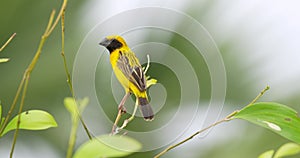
<point>115,125</point>
<point>226,119</point>
<point>62,9</point>
<point>131,117</point>
<point>7,42</point>
<point>120,112</point>
<point>19,115</point>
<point>85,128</point>
<point>27,73</point>
<point>50,21</point>
<point>69,81</point>
<point>189,138</point>
<point>72,138</point>
<point>259,95</point>
<point>148,64</point>
<point>63,52</point>
<point>12,107</point>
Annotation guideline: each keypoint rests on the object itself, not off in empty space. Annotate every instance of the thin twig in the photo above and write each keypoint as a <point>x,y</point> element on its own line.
<point>63,52</point>
<point>19,115</point>
<point>259,95</point>
<point>52,15</point>
<point>3,125</point>
<point>227,118</point>
<point>85,128</point>
<point>69,81</point>
<point>114,129</point>
<point>120,112</point>
<point>63,7</point>
<point>72,137</point>
<point>148,64</point>
<point>7,42</point>
<point>4,45</point>
<point>131,117</point>
<point>189,138</point>
<point>27,73</point>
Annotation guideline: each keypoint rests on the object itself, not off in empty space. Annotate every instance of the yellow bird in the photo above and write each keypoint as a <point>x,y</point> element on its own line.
<point>129,72</point>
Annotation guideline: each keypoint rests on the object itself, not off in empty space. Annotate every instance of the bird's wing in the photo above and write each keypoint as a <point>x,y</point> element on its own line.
<point>131,68</point>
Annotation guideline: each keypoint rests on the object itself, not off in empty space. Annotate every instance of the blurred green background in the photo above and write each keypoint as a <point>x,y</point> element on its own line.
<point>258,41</point>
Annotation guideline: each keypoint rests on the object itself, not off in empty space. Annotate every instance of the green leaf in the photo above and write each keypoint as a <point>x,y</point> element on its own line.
<point>287,149</point>
<point>279,118</point>
<point>3,60</point>
<point>71,106</point>
<point>108,146</point>
<point>267,154</point>
<point>32,120</point>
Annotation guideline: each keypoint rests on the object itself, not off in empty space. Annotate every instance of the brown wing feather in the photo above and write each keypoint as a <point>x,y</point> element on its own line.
<point>132,69</point>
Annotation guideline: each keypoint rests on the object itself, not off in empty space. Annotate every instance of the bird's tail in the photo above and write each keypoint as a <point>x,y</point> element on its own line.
<point>146,109</point>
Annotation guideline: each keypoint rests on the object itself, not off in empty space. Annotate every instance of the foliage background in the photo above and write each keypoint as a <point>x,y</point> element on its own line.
<point>258,40</point>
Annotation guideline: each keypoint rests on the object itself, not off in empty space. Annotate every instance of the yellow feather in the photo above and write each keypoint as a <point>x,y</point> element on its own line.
<point>129,72</point>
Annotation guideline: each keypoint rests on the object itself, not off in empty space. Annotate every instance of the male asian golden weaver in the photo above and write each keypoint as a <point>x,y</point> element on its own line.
<point>129,72</point>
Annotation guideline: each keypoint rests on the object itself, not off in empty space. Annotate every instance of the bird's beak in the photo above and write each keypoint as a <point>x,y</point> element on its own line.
<point>105,42</point>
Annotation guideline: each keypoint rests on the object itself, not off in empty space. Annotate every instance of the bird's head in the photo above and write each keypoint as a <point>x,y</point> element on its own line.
<point>113,42</point>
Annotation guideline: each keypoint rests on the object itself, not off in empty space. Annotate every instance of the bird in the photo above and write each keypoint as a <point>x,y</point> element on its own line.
<point>129,72</point>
